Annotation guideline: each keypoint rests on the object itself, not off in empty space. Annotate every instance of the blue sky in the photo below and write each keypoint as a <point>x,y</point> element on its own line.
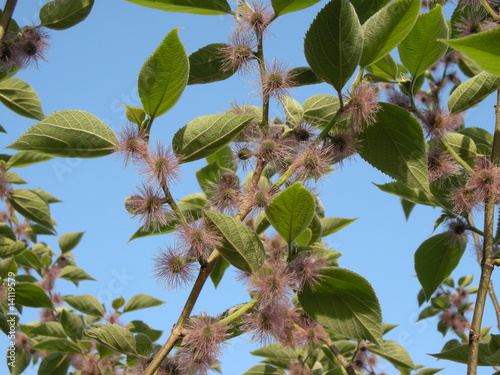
<point>94,67</point>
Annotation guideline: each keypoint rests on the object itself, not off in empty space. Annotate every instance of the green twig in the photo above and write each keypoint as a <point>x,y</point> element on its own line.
<point>457,157</point>
<point>342,360</point>
<point>242,310</point>
<point>490,10</point>
<point>8,11</point>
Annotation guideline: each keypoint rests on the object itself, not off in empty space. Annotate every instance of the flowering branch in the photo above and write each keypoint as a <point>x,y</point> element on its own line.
<point>487,264</point>
<point>10,5</point>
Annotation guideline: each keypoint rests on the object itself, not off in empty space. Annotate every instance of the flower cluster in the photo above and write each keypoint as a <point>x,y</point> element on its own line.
<point>21,49</point>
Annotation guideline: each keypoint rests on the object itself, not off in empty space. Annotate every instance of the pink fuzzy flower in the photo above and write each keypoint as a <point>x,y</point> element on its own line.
<point>173,268</point>
<point>162,166</point>
<point>362,106</point>
<point>151,207</point>
<point>132,145</point>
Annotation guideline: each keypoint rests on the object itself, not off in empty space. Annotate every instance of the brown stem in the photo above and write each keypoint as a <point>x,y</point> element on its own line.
<point>10,5</point>
<point>487,259</point>
<point>343,361</point>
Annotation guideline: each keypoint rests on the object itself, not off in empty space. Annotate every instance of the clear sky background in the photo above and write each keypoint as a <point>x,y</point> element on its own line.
<point>94,66</point>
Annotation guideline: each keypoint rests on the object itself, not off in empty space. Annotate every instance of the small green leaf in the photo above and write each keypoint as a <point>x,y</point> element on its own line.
<point>69,241</point>
<point>26,158</point>
<point>9,247</point>
<point>20,97</point>
<point>411,194</point>
<point>287,6</point>
<point>14,178</point>
<point>334,42</point>
<point>396,146</point>
<point>55,344</point>
<point>141,301</point>
<point>472,92</point>
<point>293,110</point>
<point>385,67</point>
<point>135,115</point>
<point>47,196</point>
<point>435,259</point>
<point>74,274</point>
<point>32,295</point>
<point>240,245</point>
<point>346,303</point>
<point>68,133</point>
<point>320,108</point>
<point>429,371</point>
<point>210,176</point>
<point>138,326</point>
<point>86,303</point>
<point>303,76</point>
<point>331,225</point>
<point>218,271</point>
<point>483,48</point>
<point>54,364</point>
<point>387,28</point>
<point>114,337</point>
<point>367,8</point>
<point>117,303</point>
<point>421,48</point>
<point>164,76</point>
<point>481,137</point>
<point>73,324</point>
<point>224,158</point>
<point>277,354</point>
<point>20,362</point>
<point>51,329</point>
<point>205,135</point>
<point>459,354</point>
<point>291,211</point>
<point>32,206</point>
<point>203,7</point>
<point>394,353</point>
<point>264,370</point>
<point>207,65</point>
<point>63,14</point>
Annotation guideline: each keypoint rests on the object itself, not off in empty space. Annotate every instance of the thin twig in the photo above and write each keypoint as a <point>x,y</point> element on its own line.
<point>342,360</point>
<point>8,11</point>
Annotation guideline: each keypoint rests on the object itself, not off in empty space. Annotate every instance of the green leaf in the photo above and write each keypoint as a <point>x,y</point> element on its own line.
<point>240,245</point>
<point>143,345</point>
<point>346,303</point>
<point>207,65</point>
<point>141,301</point>
<point>461,144</point>
<point>164,76</point>
<point>277,355</point>
<point>54,364</point>
<point>429,371</point>
<point>396,146</point>
<point>435,259</point>
<point>20,361</point>
<point>218,271</point>
<point>69,134</point>
<point>421,48</point>
<point>367,8</point>
<point>394,353</point>
<point>407,207</point>
<point>481,137</point>
<point>9,247</point>
<point>287,6</point>
<point>138,326</point>
<point>429,312</point>
<point>386,67</point>
<point>20,97</point>
<point>224,157</point>
<point>264,370</point>
<point>32,206</point>
<point>320,108</point>
<point>55,344</point>
<point>210,175</point>
<point>293,110</point>
<point>114,337</point>
<point>63,14</point>
<point>203,7</point>
<point>291,211</point>
<point>387,28</point>
<point>468,66</point>
<point>51,329</point>
<point>26,158</point>
<point>483,48</point>
<point>14,178</point>
<point>205,135</point>
<point>472,92</point>
<point>331,225</point>
<point>32,295</point>
<point>411,194</point>
<point>303,76</point>
<point>86,303</point>
<point>69,241</point>
<point>47,196</point>
<point>459,354</point>
<point>334,42</point>
<point>74,274</point>
<point>7,266</point>
<point>117,303</point>
<point>73,324</point>
<point>6,231</point>
<point>135,115</point>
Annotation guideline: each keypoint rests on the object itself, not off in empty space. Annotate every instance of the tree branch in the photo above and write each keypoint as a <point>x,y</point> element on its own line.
<point>343,361</point>
<point>8,11</point>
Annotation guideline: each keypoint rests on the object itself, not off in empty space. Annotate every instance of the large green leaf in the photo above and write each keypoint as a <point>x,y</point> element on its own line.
<point>114,337</point>
<point>421,48</point>
<point>334,42</point>
<point>20,97</point>
<point>394,353</point>
<point>54,364</point>
<point>367,8</point>
<point>205,135</point>
<point>286,6</point>
<point>472,92</point>
<point>86,303</point>
<point>164,76</point>
<point>240,245</point>
<point>141,301</point>
<point>460,354</point>
<point>435,260</point>
<point>51,329</point>
<point>320,109</point>
<point>32,206</point>
<point>203,7</point>
<point>395,145</point>
<point>32,295</point>
<point>291,211</point>
<point>346,303</point>
<point>62,14</point>
<point>482,47</point>
<point>56,344</point>
<point>9,247</point>
<point>206,65</point>
<point>68,133</point>
<point>387,28</point>
<point>73,324</point>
